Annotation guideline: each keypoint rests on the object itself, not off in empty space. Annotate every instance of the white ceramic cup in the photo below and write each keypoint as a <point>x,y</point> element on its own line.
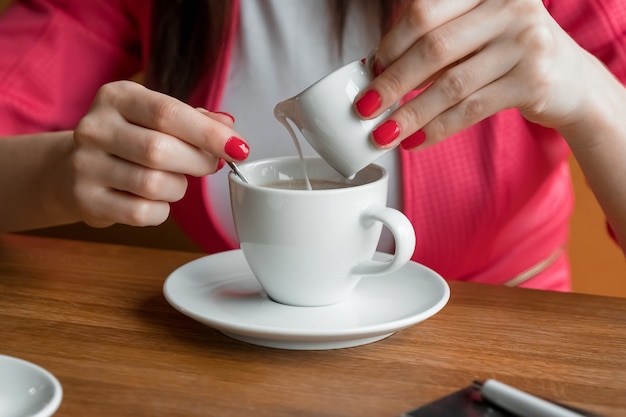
<point>311,247</point>
<point>325,116</point>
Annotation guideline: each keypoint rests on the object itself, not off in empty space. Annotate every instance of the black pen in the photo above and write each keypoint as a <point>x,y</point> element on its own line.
<point>519,402</point>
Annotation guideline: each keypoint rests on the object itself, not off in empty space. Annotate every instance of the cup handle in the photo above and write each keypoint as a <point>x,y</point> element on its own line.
<point>403,234</point>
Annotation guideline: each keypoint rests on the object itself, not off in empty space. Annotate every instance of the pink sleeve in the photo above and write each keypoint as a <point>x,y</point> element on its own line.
<point>56,54</point>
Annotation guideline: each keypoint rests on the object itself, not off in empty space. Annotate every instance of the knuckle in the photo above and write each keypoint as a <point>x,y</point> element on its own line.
<point>436,46</point>
<point>391,83</point>
<point>419,13</point>
<point>151,184</point>
<point>164,112</point>
<point>537,39</point>
<point>455,85</point>
<point>106,93</point>
<point>160,186</point>
<point>110,92</point>
<point>138,214</point>
<point>472,109</point>
<point>411,117</point>
<point>80,165</point>
<point>531,11</point>
<point>83,163</point>
<point>86,131</point>
<point>436,130</point>
<point>147,213</point>
<point>89,204</point>
<point>155,149</point>
<point>537,66</point>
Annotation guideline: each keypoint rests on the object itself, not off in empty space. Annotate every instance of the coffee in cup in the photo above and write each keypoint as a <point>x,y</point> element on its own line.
<point>308,184</point>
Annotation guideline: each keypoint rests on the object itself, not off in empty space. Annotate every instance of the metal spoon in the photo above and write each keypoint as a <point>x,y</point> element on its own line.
<point>238,172</point>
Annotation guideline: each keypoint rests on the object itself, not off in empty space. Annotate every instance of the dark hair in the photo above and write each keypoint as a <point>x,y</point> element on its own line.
<point>187,36</point>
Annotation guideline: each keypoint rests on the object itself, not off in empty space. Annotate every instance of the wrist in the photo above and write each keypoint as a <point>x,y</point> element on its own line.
<point>600,120</point>
<point>34,186</point>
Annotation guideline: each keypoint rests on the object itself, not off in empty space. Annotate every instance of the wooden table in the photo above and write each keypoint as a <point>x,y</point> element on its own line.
<point>95,316</point>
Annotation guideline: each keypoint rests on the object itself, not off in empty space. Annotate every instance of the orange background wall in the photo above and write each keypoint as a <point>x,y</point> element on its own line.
<point>598,265</point>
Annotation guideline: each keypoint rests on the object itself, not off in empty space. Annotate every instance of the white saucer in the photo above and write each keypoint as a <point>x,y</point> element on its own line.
<point>220,291</point>
<point>27,389</point>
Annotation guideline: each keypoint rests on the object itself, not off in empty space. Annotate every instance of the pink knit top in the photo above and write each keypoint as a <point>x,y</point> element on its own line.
<point>487,204</point>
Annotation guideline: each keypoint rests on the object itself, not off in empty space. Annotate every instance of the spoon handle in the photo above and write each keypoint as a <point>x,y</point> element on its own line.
<point>238,172</point>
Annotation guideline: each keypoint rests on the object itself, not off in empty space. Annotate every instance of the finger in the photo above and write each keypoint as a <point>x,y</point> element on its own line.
<point>229,120</point>
<point>499,95</point>
<point>108,206</point>
<point>144,182</point>
<point>100,205</point>
<point>418,18</point>
<point>438,49</point>
<point>168,115</point>
<point>152,149</point>
<point>222,117</point>
<point>453,86</point>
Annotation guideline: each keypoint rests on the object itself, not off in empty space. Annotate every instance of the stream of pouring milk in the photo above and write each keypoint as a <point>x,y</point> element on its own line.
<point>280,116</point>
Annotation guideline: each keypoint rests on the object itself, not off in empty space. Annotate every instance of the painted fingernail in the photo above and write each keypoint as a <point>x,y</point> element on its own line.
<point>227,114</point>
<point>413,141</point>
<point>236,148</point>
<point>368,103</point>
<point>220,164</point>
<point>363,61</point>
<point>378,68</point>
<point>386,132</point>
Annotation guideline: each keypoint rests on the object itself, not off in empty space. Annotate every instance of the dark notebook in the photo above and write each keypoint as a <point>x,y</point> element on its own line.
<point>468,403</point>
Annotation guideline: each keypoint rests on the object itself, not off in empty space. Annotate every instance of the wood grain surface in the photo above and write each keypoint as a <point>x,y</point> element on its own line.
<point>95,316</point>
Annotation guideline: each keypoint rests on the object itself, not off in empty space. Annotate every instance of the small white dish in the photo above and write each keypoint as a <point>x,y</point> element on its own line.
<point>220,291</point>
<point>27,389</point>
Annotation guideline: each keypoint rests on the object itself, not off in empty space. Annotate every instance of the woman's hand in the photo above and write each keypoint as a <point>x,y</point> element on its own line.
<point>475,58</point>
<point>132,150</point>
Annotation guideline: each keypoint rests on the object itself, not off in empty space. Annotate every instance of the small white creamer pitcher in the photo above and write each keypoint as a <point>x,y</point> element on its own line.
<point>325,116</point>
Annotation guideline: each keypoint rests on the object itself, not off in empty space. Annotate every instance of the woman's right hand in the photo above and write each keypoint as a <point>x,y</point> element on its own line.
<point>132,151</point>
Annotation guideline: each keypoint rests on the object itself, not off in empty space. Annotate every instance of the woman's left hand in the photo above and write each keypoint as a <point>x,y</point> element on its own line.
<point>475,58</point>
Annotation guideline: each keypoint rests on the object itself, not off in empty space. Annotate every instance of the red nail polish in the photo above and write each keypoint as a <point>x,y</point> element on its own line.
<point>378,68</point>
<point>413,141</point>
<point>220,164</point>
<point>386,132</point>
<point>363,61</point>
<point>236,148</point>
<point>227,114</point>
<point>368,103</point>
